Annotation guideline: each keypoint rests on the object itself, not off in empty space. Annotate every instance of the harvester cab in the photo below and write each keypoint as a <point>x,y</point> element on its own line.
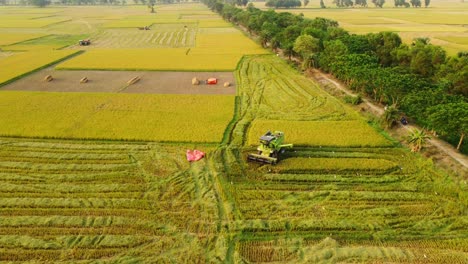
<point>271,144</point>
<point>84,42</point>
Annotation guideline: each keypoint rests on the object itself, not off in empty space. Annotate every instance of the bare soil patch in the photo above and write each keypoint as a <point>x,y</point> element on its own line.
<point>117,82</point>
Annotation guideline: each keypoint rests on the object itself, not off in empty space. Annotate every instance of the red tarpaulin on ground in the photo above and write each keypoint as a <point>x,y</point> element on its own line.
<point>194,155</point>
<point>212,81</point>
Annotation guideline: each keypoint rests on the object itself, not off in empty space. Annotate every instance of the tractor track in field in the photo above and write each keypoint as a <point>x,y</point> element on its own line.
<point>325,80</point>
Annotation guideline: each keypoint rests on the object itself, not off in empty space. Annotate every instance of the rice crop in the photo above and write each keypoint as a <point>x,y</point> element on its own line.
<point>353,133</point>
<point>5,22</point>
<point>334,165</point>
<point>180,118</point>
<point>22,63</point>
<point>213,23</point>
<point>12,38</point>
<point>175,59</point>
<point>166,35</point>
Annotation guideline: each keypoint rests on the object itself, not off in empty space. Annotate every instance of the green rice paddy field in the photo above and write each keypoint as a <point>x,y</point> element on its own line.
<point>103,178</point>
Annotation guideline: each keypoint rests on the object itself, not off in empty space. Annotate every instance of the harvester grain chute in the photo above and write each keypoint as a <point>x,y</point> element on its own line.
<point>271,145</point>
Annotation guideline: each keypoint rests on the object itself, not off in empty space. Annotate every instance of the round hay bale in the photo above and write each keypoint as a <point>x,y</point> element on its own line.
<point>195,81</point>
<point>227,84</point>
<point>84,80</point>
<point>48,78</point>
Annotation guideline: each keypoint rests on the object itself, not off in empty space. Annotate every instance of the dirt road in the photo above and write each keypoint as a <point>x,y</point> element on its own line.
<point>327,80</point>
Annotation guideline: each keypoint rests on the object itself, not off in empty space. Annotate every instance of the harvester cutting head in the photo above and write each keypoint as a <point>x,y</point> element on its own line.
<point>271,144</point>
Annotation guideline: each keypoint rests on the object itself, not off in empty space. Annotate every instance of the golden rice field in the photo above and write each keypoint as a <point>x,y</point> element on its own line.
<point>162,59</point>
<point>443,19</point>
<point>22,63</point>
<point>345,193</point>
<point>180,118</point>
<point>354,133</point>
<point>28,47</point>
<point>12,38</point>
<point>160,36</point>
<point>133,22</point>
<point>20,22</point>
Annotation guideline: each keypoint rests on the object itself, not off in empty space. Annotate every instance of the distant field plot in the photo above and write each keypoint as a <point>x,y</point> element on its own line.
<point>165,35</point>
<point>133,22</point>
<point>428,16</point>
<point>22,63</point>
<point>22,47</point>
<point>141,21</point>
<point>232,42</point>
<point>31,23</point>
<point>29,11</point>
<point>213,23</point>
<point>354,133</point>
<point>179,118</point>
<point>12,38</point>
<point>163,59</point>
<point>53,41</point>
<point>456,40</point>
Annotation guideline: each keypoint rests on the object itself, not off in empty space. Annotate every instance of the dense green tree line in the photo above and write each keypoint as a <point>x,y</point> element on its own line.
<point>419,79</point>
<point>283,3</point>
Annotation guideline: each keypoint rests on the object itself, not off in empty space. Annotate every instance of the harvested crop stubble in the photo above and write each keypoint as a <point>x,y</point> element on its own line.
<point>181,118</point>
<point>354,133</point>
<point>274,90</point>
<point>334,164</point>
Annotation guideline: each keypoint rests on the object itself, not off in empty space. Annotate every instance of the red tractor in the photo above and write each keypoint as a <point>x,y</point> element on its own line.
<point>84,42</point>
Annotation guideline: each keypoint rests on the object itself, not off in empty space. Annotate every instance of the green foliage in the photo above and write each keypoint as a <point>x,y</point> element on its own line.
<point>417,139</point>
<point>39,3</point>
<point>383,44</point>
<point>343,3</point>
<point>306,45</point>
<point>450,118</point>
<point>353,99</point>
<point>378,3</point>
<point>332,50</point>
<point>416,3</point>
<point>322,4</point>
<point>399,3</point>
<point>283,3</point>
<point>391,116</point>
<point>455,72</point>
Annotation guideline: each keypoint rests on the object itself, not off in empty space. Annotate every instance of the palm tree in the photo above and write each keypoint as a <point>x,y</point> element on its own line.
<point>417,139</point>
<point>390,116</point>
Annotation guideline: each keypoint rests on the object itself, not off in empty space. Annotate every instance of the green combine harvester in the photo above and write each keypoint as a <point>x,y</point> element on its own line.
<point>271,144</point>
